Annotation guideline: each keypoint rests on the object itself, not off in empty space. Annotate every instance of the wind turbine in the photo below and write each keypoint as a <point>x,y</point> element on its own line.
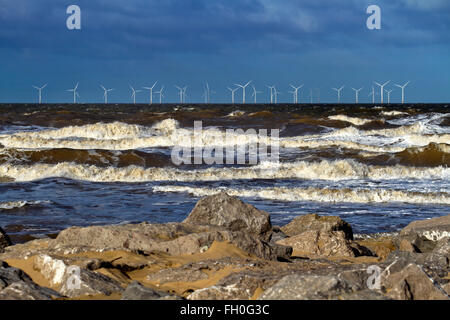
<point>403,90</point>
<point>311,95</point>
<point>232,93</point>
<point>339,93</point>
<point>255,93</point>
<point>389,95</point>
<point>160,92</point>
<point>181,93</point>
<point>271,92</point>
<point>295,92</point>
<point>382,88</point>
<point>40,91</point>
<point>318,97</point>
<point>208,92</point>
<point>275,94</point>
<point>357,94</point>
<point>373,95</point>
<point>75,94</point>
<point>133,95</point>
<point>184,94</point>
<point>105,95</point>
<point>151,91</point>
<point>243,89</point>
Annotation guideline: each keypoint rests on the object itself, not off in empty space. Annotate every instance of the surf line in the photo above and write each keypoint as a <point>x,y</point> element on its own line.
<point>252,146</point>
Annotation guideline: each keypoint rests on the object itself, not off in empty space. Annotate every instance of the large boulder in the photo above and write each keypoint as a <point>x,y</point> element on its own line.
<point>324,243</point>
<point>4,240</point>
<point>233,214</point>
<point>317,223</point>
<point>431,229</point>
<point>411,283</point>
<point>171,238</point>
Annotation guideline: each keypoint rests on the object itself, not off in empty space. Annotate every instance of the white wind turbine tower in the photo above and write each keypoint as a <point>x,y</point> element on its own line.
<point>160,92</point>
<point>403,90</point>
<point>181,93</point>
<point>133,95</point>
<point>40,92</point>
<point>243,89</point>
<point>357,94</point>
<point>339,93</point>
<point>184,94</point>
<point>389,95</point>
<point>373,94</point>
<point>232,93</point>
<point>255,93</point>
<point>105,95</point>
<point>382,88</point>
<point>311,95</point>
<point>271,92</point>
<point>75,93</point>
<point>295,92</point>
<point>151,91</point>
<point>275,94</point>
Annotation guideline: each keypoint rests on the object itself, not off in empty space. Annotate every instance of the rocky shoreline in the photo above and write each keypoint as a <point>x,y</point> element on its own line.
<point>226,250</point>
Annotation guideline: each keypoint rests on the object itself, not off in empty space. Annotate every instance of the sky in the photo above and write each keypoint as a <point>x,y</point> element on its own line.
<point>321,44</point>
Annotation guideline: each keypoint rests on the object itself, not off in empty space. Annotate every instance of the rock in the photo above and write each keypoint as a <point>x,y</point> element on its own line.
<point>171,238</point>
<point>88,282</point>
<point>136,291</point>
<point>231,213</point>
<point>443,247</point>
<point>277,234</point>
<point>380,247</point>
<point>317,223</point>
<point>411,283</point>
<point>306,287</point>
<point>22,290</point>
<point>4,240</point>
<point>17,285</point>
<point>324,243</point>
<point>407,246</point>
<point>432,229</point>
<point>73,281</point>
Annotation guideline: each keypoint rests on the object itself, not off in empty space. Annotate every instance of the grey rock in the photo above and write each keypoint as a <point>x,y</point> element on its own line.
<point>317,223</point>
<point>231,213</point>
<point>23,290</point>
<point>306,287</point>
<point>136,291</point>
<point>88,282</point>
<point>443,247</point>
<point>4,240</point>
<point>17,285</point>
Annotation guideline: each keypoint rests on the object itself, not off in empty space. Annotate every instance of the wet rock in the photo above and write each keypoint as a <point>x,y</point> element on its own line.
<point>324,243</point>
<point>4,240</point>
<point>407,246</point>
<point>136,291</point>
<point>411,283</point>
<point>317,223</point>
<point>17,285</point>
<point>231,213</point>
<point>432,229</point>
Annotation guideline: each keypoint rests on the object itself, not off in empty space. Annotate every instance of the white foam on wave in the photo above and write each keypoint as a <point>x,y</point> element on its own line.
<point>9,205</point>
<point>318,195</point>
<point>352,120</point>
<point>325,170</point>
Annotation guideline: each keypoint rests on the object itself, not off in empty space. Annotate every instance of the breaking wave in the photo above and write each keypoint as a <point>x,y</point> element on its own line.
<point>319,195</point>
<point>324,170</point>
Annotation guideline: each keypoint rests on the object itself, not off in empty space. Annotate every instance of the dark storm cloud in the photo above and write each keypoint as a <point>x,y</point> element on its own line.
<point>141,28</point>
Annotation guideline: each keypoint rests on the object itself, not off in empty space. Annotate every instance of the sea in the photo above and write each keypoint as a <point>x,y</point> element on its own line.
<point>378,167</point>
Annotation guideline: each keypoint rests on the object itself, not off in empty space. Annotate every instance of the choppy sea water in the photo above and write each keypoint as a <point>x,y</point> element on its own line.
<point>377,167</point>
